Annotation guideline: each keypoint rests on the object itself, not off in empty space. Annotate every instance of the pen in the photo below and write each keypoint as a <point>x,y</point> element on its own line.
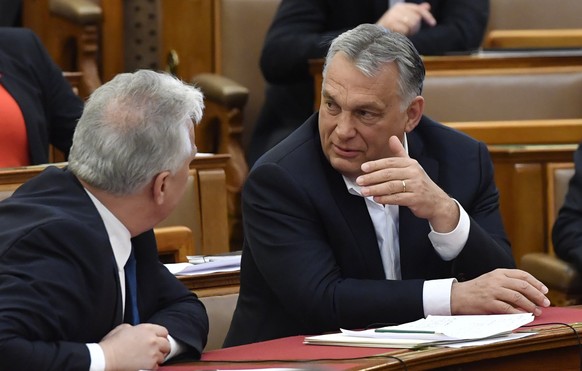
<point>405,331</point>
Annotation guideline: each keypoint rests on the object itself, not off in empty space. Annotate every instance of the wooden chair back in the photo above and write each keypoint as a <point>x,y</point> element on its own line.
<point>561,277</point>
<point>69,29</point>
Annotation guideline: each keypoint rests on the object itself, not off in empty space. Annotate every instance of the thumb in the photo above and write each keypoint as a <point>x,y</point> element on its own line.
<point>396,147</point>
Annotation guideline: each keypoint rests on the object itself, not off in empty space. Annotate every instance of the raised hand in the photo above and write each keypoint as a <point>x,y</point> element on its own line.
<point>406,18</point>
<point>400,180</point>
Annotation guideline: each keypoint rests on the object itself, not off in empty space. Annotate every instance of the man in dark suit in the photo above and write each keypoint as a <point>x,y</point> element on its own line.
<point>567,229</point>
<point>303,29</point>
<point>370,212</point>
<point>71,237</point>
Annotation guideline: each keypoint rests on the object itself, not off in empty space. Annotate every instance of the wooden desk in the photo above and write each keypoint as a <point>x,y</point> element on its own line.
<point>555,347</point>
<point>481,60</point>
<point>222,283</point>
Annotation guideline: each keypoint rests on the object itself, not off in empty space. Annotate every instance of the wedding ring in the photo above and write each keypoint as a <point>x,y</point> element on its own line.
<point>403,186</point>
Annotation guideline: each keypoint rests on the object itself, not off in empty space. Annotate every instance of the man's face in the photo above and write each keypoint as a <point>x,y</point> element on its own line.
<point>358,114</point>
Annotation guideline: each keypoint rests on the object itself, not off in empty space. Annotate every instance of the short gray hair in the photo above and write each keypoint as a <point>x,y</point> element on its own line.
<point>370,47</point>
<point>134,127</point>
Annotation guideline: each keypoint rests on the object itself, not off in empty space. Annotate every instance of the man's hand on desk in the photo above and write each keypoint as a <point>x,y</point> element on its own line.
<point>502,291</point>
<point>140,347</point>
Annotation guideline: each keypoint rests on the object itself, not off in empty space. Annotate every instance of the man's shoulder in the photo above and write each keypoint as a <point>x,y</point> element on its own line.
<point>300,147</point>
<point>51,192</point>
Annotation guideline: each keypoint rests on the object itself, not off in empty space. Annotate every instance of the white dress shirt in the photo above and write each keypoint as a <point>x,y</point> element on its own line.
<point>385,218</point>
<point>120,240</point>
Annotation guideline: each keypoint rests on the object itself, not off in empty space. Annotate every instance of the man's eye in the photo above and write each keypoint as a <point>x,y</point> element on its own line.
<point>365,114</point>
<point>331,106</point>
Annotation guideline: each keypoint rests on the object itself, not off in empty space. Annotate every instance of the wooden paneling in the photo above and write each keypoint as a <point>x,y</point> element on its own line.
<point>112,46</point>
<point>535,39</point>
<point>186,28</point>
<point>478,63</point>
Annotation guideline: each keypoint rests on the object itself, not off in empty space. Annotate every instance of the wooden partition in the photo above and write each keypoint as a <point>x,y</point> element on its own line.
<point>521,152</point>
<point>203,208</point>
<point>533,39</point>
<point>478,62</point>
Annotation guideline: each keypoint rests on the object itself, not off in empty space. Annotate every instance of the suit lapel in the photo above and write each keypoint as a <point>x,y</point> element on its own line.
<point>355,215</point>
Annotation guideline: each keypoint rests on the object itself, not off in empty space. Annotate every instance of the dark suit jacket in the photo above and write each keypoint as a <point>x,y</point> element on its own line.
<point>311,261</point>
<point>46,99</point>
<point>59,286</point>
<point>567,230</point>
<point>303,29</point>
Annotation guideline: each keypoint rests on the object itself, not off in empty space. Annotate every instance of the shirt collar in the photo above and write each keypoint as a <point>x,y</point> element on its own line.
<point>119,235</point>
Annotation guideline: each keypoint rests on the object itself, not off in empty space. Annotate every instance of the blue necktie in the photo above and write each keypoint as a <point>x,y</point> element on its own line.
<point>131,295</point>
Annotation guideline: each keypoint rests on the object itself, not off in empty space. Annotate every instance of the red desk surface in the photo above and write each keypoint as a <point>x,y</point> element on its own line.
<point>292,348</point>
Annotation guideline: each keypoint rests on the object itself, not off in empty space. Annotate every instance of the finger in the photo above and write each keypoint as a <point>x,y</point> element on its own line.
<point>426,15</point>
<point>158,330</point>
<point>398,152</point>
<point>383,189</point>
<point>396,147</point>
<point>161,331</point>
<point>516,301</point>
<point>526,276</point>
<point>521,294</point>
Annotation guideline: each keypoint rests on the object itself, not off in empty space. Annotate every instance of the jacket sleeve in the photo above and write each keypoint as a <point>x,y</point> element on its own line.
<point>291,248</point>
<point>166,301</point>
<point>460,27</point>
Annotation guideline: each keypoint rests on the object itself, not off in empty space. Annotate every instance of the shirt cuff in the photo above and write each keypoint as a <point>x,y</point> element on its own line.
<point>436,297</point>
<point>449,245</point>
<point>176,348</point>
<point>97,357</point>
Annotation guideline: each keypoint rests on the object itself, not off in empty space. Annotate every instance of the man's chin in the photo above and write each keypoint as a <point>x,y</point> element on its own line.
<point>348,167</point>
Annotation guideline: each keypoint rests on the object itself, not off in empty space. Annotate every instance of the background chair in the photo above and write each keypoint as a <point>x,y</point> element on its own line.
<point>175,243</point>
<point>70,30</point>
<point>220,309</point>
<point>562,279</point>
<point>234,91</point>
<point>527,117</point>
<point>203,207</point>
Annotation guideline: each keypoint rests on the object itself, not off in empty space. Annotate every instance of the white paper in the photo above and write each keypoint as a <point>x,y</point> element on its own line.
<point>467,326</point>
<point>455,331</point>
<point>342,339</point>
<point>188,269</point>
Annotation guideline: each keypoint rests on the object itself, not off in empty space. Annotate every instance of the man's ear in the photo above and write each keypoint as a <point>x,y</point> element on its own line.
<point>414,113</point>
<point>159,187</point>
